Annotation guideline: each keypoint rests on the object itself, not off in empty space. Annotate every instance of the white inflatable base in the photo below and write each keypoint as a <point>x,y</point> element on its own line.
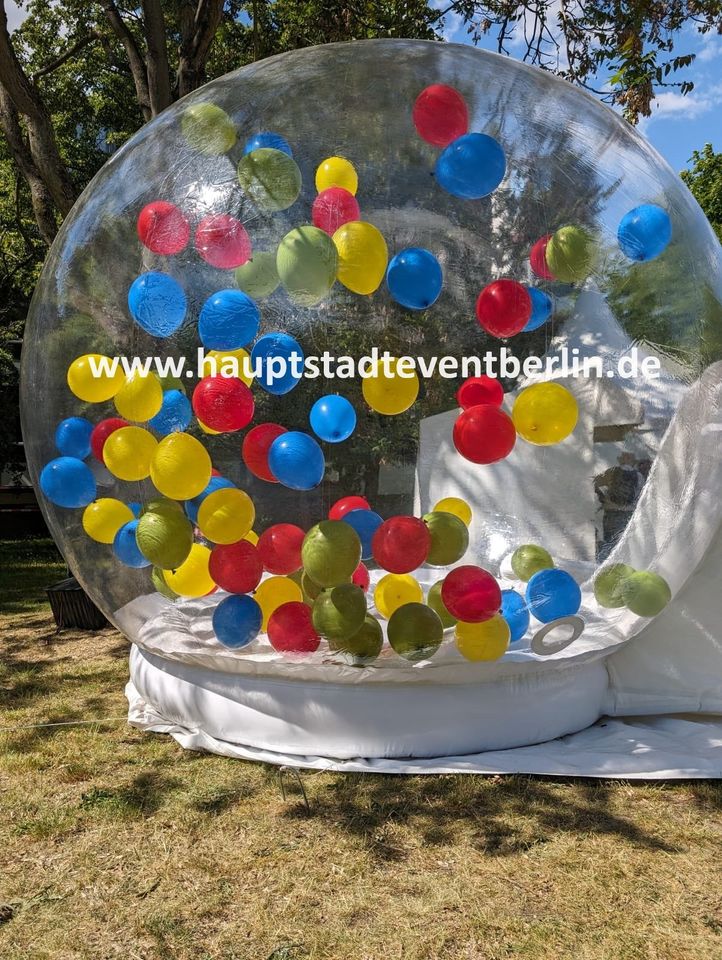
<point>639,748</point>
<point>385,720</point>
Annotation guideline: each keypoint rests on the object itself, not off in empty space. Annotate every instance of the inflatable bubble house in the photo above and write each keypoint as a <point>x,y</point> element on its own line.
<point>373,392</point>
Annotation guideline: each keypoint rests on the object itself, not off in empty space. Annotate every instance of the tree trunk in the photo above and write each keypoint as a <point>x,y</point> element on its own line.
<point>136,62</point>
<point>43,206</point>
<point>198,25</point>
<point>158,69</point>
<point>42,145</point>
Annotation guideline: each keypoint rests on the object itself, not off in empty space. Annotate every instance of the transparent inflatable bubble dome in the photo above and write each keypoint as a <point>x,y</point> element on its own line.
<point>431,348</point>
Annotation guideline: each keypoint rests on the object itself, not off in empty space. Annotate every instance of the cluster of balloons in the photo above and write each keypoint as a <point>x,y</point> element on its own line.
<point>643,592</point>
<point>543,414</point>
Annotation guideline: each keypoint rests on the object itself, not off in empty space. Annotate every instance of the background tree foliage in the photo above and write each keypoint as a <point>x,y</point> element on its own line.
<point>78,78</point>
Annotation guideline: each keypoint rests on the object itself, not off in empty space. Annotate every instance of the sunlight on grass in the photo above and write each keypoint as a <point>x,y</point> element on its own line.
<point>119,844</point>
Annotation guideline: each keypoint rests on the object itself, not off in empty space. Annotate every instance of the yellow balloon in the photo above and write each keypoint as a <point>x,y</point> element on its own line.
<point>208,430</point>
<point>226,515</point>
<point>90,388</point>
<point>487,640</point>
<point>103,518</point>
<point>273,593</point>
<point>180,468</point>
<point>252,537</point>
<point>394,590</point>
<point>191,578</point>
<point>140,397</point>
<point>460,508</point>
<point>236,363</point>
<point>128,452</point>
<point>336,172</point>
<point>392,394</point>
<point>362,256</point>
<point>545,413</point>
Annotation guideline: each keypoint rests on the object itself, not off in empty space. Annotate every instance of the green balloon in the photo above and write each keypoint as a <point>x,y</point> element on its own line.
<point>258,277</point>
<point>449,538</point>
<point>433,599</point>
<point>331,551</point>
<point>208,128</point>
<point>361,647</point>
<point>270,178</point>
<point>307,262</point>
<point>310,588</point>
<point>609,585</point>
<point>162,505</point>
<point>160,585</point>
<point>530,559</point>
<point>415,631</point>
<point>570,254</point>
<point>646,594</point>
<point>339,611</point>
<point>165,538</point>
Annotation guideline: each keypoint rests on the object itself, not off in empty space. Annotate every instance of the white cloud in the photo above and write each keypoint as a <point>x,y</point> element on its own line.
<point>711,48</point>
<point>675,106</point>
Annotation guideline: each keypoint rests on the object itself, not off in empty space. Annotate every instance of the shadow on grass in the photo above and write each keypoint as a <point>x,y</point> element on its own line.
<point>506,815</point>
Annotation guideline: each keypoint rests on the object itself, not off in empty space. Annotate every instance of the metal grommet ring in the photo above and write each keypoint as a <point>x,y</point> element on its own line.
<point>544,648</point>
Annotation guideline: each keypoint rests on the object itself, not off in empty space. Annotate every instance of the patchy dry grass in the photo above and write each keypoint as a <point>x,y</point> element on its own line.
<point>115,844</point>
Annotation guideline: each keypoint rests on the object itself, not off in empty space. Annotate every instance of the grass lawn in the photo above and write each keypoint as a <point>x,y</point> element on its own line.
<point>119,844</point>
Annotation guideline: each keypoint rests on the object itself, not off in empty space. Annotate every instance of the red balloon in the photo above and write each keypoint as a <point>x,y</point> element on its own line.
<point>538,258</point>
<point>236,567</point>
<point>484,434</point>
<point>256,444</point>
<point>223,403</point>
<point>215,473</point>
<point>343,506</point>
<point>440,115</point>
<point>401,544</point>
<point>361,577</point>
<point>471,594</point>
<point>334,207</point>
<point>503,308</point>
<point>291,630</point>
<point>101,432</point>
<point>163,228</point>
<point>477,390</point>
<point>279,548</point>
<point>222,241</point>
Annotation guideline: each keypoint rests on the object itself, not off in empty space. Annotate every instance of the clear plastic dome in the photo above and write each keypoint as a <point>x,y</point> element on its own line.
<point>497,210</point>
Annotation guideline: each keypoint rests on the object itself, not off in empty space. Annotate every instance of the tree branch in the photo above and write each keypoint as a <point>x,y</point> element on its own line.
<point>92,37</point>
<point>135,58</point>
<point>198,30</point>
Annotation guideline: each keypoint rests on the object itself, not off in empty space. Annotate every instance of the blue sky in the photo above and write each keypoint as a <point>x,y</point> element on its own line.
<point>678,124</point>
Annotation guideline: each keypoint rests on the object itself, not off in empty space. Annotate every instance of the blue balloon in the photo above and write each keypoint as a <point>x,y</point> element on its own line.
<point>414,278</point>
<point>136,507</point>
<point>296,460</point>
<point>274,362</point>
<point>193,506</point>
<point>267,139</point>
<point>229,319</point>
<point>157,303</point>
<point>68,482</point>
<point>237,621</point>
<point>174,415</point>
<point>644,232</point>
<point>125,546</point>
<point>471,167</point>
<point>72,437</point>
<point>514,610</point>
<point>365,523</point>
<point>551,594</point>
<point>541,309</point>
<point>333,418</point>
